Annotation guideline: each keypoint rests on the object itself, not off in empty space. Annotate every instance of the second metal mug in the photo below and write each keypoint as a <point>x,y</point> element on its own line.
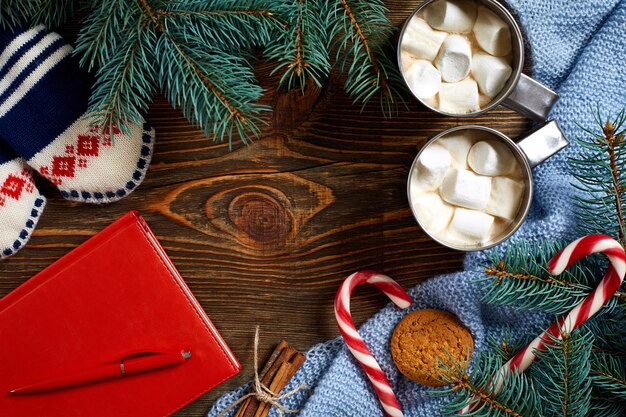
<point>530,151</point>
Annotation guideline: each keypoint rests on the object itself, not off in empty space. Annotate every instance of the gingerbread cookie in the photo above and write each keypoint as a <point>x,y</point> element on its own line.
<point>422,337</point>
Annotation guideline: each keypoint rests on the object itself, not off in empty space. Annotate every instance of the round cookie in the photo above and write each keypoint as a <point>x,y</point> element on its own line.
<point>422,337</point>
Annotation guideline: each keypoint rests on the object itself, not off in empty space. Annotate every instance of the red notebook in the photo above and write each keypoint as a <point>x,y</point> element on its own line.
<point>115,295</point>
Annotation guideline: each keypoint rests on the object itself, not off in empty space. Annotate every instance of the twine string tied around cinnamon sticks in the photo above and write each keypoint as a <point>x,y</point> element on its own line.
<point>263,393</point>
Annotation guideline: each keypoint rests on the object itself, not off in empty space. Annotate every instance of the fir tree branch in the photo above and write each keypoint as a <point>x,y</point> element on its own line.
<point>501,274</point>
<point>368,49</point>
<point>360,33</point>
<point>53,13</point>
<point>103,29</point>
<point>129,77</point>
<point>506,346</point>
<point>15,13</point>
<point>519,277</point>
<point>600,174</point>
<point>612,379</point>
<point>193,68</point>
<point>606,407</point>
<point>611,141</point>
<point>608,375</point>
<point>301,50</point>
<point>562,374</point>
<point>483,396</point>
<point>516,398</point>
<point>226,25</point>
<point>198,87</point>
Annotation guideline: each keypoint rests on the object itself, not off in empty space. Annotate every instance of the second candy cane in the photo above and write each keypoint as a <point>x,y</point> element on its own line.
<point>611,282</point>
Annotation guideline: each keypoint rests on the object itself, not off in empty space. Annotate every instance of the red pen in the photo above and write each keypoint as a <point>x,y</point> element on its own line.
<point>106,372</point>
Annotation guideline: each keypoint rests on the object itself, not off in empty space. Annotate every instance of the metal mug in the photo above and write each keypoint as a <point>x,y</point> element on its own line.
<point>520,93</point>
<point>530,151</point>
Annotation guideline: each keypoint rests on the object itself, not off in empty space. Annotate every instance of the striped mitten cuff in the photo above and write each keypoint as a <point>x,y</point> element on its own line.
<point>43,100</point>
<point>21,203</point>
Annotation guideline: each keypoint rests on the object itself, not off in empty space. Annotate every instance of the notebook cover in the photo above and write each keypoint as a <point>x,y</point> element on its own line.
<point>116,294</point>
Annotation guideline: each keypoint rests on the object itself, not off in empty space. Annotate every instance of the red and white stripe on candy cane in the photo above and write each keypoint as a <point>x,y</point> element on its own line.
<point>356,344</point>
<point>612,280</point>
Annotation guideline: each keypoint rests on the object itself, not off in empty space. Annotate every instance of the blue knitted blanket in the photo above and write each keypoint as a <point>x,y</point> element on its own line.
<point>578,49</point>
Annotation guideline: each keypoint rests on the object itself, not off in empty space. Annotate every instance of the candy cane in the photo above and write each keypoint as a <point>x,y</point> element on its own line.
<point>582,312</point>
<point>355,343</point>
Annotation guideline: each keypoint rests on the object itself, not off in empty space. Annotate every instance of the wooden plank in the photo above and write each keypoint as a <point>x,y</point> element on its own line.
<point>265,233</point>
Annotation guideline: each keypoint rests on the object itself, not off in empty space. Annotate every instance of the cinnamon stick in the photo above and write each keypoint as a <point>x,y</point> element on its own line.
<point>286,371</point>
<point>266,380</point>
<point>276,374</point>
<point>265,376</point>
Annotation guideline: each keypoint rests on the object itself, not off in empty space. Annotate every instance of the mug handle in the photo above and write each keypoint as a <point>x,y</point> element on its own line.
<point>543,143</point>
<point>531,99</point>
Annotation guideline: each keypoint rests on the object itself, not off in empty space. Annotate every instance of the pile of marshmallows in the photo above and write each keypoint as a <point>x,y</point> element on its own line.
<point>456,56</point>
<point>466,191</point>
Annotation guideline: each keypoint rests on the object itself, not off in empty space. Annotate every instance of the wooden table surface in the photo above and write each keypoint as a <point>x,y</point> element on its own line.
<point>264,234</point>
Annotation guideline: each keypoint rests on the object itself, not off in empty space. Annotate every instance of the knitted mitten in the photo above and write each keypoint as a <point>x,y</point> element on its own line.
<point>43,99</point>
<point>20,202</point>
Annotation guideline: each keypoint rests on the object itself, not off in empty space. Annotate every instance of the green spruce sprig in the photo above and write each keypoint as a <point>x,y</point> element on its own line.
<point>126,67</point>
<point>562,374</point>
<point>517,397</point>
<point>601,174</point>
<point>14,13</point>
<point>149,44</point>
<point>520,277</point>
<point>606,407</point>
<point>506,346</point>
<point>301,50</point>
<point>608,375</point>
<point>199,53</point>
<point>360,32</point>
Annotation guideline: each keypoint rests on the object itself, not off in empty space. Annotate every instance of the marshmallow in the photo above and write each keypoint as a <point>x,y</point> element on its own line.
<point>459,98</point>
<point>471,226</point>
<point>454,59</point>
<point>490,72</point>
<point>505,199</point>
<point>432,101</point>
<point>465,189</point>
<point>421,41</point>
<point>423,79</point>
<point>500,226</point>
<point>407,60</point>
<point>452,15</point>
<point>432,166</point>
<point>492,33</point>
<point>433,213</point>
<point>491,158</point>
<point>483,101</point>
<point>458,145</point>
<point>516,172</point>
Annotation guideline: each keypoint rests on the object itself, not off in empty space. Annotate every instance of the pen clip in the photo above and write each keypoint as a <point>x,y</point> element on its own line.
<point>134,354</point>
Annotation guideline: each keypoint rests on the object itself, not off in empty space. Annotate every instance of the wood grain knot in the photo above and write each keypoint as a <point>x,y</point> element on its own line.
<point>256,213</point>
<point>261,217</point>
